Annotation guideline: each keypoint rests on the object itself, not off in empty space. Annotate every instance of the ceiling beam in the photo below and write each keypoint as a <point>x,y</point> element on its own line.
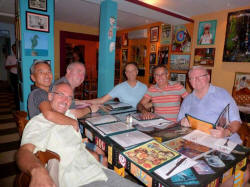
<point>161,10</point>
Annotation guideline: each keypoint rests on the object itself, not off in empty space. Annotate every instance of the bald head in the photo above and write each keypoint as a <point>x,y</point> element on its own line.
<point>75,74</point>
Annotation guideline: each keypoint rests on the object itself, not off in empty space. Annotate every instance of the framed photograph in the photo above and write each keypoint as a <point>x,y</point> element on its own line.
<point>152,58</point>
<point>204,56</point>
<point>165,34</point>
<point>124,55</point>
<point>242,82</point>
<point>179,77</point>
<point>154,34</point>
<point>206,32</point>
<point>125,40</point>
<point>153,47</point>
<point>237,39</point>
<point>181,39</point>
<point>38,5</point>
<point>37,22</point>
<point>179,62</point>
<point>163,55</point>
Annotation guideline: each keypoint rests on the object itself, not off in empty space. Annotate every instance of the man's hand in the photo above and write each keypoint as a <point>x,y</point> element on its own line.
<point>147,115</point>
<point>219,132</point>
<point>185,123</point>
<point>40,177</point>
<point>94,108</point>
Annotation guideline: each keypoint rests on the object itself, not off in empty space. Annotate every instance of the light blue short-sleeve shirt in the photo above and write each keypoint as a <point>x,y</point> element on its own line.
<point>127,94</point>
<point>210,106</point>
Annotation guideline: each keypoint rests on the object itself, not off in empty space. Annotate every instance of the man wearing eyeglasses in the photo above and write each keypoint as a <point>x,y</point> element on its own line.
<point>77,166</point>
<point>165,96</point>
<point>206,103</point>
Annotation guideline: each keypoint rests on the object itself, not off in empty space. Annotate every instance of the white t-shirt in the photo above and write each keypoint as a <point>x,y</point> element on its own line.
<point>11,60</point>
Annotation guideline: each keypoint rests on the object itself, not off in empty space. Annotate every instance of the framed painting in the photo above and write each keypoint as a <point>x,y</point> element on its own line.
<point>37,22</point>
<point>165,34</point>
<point>242,81</point>
<point>154,34</point>
<point>124,55</point>
<point>179,62</point>
<point>153,47</point>
<point>204,56</point>
<point>152,58</point>
<point>237,41</point>
<point>38,5</point>
<point>179,77</point>
<point>181,40</point>
<point>206,32</point>
<point>163,55</point>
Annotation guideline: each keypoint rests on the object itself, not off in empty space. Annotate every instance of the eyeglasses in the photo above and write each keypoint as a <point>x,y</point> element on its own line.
<point>70,98</point>
<point>197,78</point>
<point>160,75</point>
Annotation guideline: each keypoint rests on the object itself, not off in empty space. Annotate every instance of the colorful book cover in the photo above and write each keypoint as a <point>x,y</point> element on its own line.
<point>151,155</point>
<point>187,148</point>
<point>202,168</point>
<point>187,177</point>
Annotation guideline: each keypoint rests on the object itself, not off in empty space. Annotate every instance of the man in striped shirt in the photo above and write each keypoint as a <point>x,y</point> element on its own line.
<point>165,96</point>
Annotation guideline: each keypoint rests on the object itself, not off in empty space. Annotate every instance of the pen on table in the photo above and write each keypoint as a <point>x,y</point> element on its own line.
<point>176,165</point>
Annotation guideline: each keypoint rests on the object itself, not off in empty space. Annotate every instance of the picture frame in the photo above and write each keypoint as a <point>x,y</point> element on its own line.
<point>153,47</point>
<point>152,58</point>
<point>166,34</point>
<point>38,5</point>
<point>179,62</point>
<point>206,32</point>
<point>179,77</point>
<point>204,56</point>
<point>124,55</point>
<point>154,34</point>
<point>37,22</point>
<point>163,55</point>
<point>242,82</point>
<point>181,39</point>
<point>125,40</point>
<point>237,41</point>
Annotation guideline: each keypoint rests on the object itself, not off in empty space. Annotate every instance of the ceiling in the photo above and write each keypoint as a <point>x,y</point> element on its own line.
<point>86,12</point>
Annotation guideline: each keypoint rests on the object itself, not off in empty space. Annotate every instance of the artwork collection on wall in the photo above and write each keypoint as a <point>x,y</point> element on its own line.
<point>204,56</point>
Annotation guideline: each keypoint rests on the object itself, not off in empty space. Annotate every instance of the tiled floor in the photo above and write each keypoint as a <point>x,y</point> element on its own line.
<point>9,138</point>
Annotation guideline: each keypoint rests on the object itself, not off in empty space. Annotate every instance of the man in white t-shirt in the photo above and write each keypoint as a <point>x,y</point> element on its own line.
<point>11,66</point>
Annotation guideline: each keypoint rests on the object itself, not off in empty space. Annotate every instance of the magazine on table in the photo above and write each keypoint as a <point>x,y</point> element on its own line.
<point>222,121</point>
<point>101,120</point>
<point>176,166</point>
<point>202,138</point>
<point>117,106</point>
<point>150,155</point>
<point>116,127</point>
<point>189,149</point>
<point>131,138</point>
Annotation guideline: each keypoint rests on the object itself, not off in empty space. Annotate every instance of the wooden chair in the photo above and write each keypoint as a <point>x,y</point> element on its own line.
<point>21,121</point>
<point>23,179</point>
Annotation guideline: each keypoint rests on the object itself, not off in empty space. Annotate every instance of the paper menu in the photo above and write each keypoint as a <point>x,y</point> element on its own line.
<point>113,127</point>
<point>101,119</point>
<point>131,138</point>
<point>162,171</point>
<point>202,138</point>
<point>157,123</point>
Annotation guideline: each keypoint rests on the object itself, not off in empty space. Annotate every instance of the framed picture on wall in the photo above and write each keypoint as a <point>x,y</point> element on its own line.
<point>204,56</point>
<point>206,32</point>
<point>124,55</point>
<point>242,82</point>
<point>179,62</point>
<point>154,34</point>
<point>37,22</point>
<point>38,5</point>
<point>125,40</point>
<point>163,55</point>
<point>152,58</point>
<point>179,77</point>
<point>153,47</point>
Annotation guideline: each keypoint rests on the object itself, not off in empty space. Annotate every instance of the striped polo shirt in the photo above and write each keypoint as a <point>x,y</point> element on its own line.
<point>167,101</point>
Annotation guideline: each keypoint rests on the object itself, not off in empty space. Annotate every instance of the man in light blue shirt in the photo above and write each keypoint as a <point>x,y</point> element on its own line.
<point>206,103</point>
<point>130,91</point>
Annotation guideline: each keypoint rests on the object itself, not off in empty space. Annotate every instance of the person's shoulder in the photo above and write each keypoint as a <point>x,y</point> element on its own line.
<point>37,92</point>
<point>142,84</point>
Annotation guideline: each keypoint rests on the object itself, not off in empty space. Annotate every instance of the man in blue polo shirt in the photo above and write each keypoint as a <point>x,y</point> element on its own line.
<point>206,103</point>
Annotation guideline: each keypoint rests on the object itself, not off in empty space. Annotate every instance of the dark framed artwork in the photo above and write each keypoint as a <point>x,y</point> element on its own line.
<point>38,5</point>
<point>124,55</point>
<point>152,58</point>
<point>154,34</point>
<point>237,41</point>
<point>206,32</point>
<point>204,56</point>
<point>179,77</point>
<point>163,55</point>
<point>179,62</point>
<point>37,22</point>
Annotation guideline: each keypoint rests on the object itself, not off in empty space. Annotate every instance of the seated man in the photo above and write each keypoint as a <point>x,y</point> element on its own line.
<point>77,166</point>
<point>130,91</point>
<point>38,103</point>
<point>206,102</point>
<point>165,96</point>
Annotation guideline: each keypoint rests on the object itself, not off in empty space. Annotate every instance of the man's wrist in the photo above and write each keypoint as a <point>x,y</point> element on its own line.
<point>228,132</point>
<point>90,110</point>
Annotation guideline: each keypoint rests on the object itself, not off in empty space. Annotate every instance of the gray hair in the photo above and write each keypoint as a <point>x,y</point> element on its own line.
<point>32,68</point>
<point>160,66</point>
<point>54,87</point>
<point>71,65</point>
<point>197,68</point>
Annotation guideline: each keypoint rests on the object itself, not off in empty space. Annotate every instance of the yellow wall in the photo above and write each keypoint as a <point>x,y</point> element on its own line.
<point>70,27</point>
<point>223,73</point>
